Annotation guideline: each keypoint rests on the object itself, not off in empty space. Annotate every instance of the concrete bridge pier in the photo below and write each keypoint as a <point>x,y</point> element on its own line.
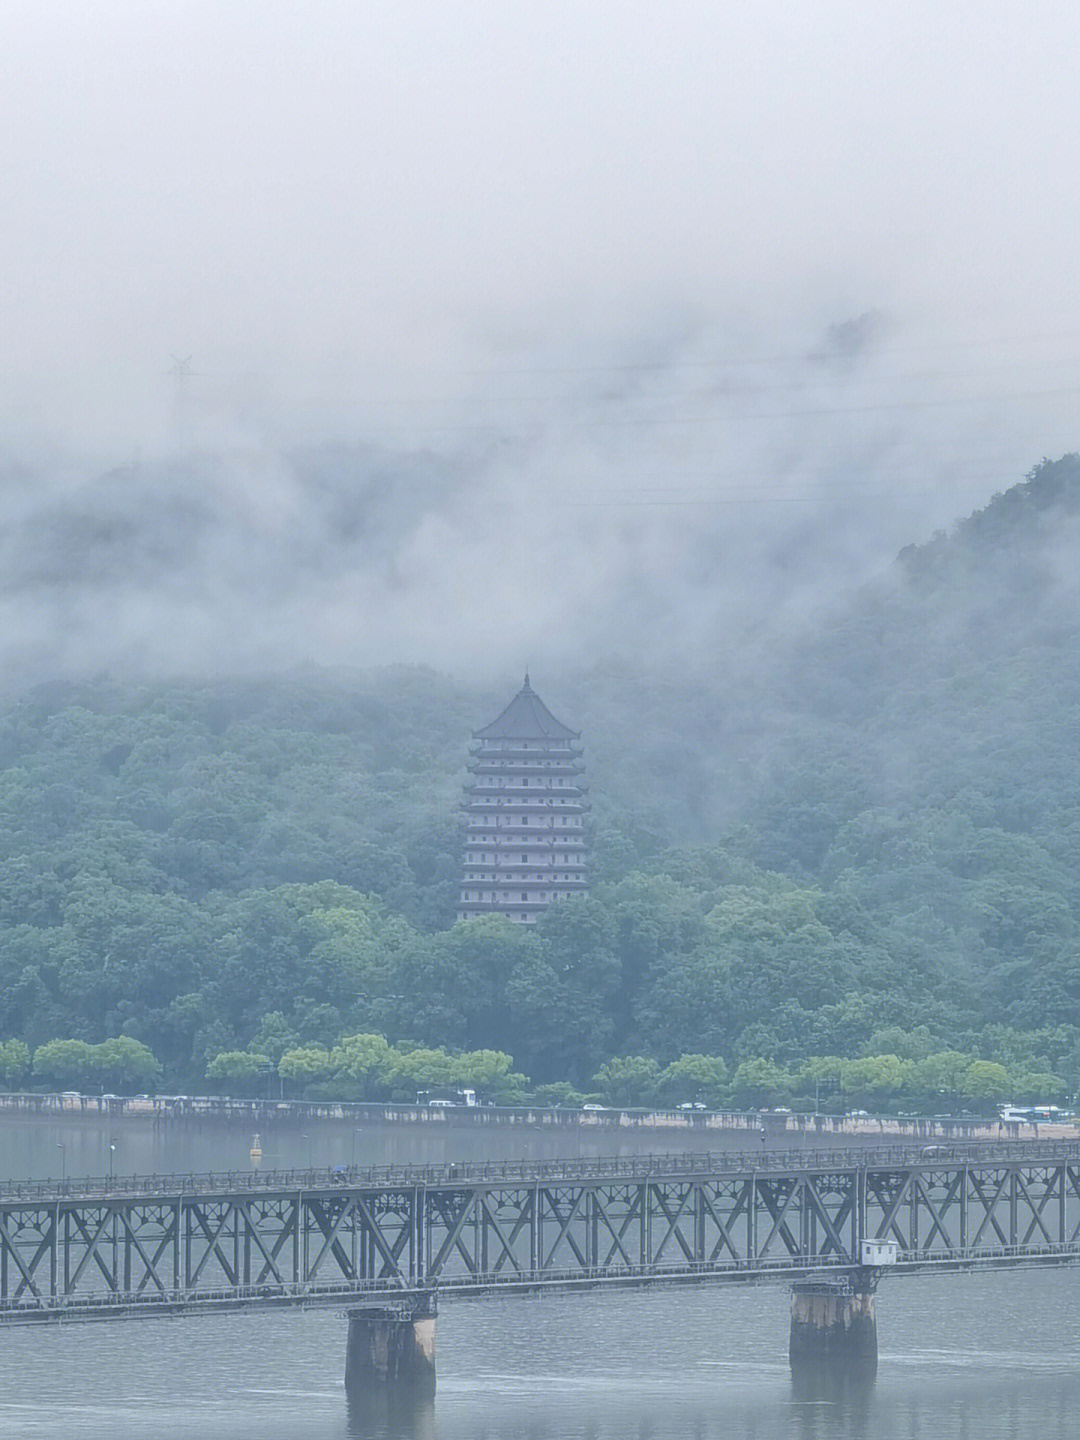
<point>391,1350</point>
<point>834,1316</point>
<point>833,1323</point>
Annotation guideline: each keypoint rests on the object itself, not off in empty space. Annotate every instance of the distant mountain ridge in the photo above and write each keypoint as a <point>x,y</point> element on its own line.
<point>888,809</point>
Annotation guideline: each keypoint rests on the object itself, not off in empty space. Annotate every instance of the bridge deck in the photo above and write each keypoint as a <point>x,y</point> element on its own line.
<point>95,1248</point>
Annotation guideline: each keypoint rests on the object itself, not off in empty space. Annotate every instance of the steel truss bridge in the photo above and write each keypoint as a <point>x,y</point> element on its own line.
<point>93,1249</point>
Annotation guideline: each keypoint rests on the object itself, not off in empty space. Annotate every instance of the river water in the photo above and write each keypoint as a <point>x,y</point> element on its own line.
<point>991,1356</point>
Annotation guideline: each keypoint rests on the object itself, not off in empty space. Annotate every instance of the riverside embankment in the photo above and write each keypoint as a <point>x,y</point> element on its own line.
<point>777,1125</point>
<point>52,1135</point>
<point>49,1136</point>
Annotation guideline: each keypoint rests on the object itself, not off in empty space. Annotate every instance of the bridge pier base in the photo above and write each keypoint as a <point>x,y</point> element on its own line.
<point>391,1350</point>
<point>832,1323</point>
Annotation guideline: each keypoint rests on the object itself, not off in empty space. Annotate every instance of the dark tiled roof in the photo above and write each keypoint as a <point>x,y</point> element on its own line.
<point>526,718</point>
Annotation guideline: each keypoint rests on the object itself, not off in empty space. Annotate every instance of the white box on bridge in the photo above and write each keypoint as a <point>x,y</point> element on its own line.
<point>879,1252</point>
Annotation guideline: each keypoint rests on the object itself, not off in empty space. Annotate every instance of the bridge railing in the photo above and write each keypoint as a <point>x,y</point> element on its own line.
<point>511,1172</point>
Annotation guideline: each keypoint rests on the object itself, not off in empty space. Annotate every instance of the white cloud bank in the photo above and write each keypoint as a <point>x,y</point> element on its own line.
<point>516,329</point>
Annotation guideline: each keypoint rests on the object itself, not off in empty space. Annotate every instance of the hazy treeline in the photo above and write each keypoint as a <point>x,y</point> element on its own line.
<point>863,846</point>
<point>120,1064</point>
<point>366,1067</point>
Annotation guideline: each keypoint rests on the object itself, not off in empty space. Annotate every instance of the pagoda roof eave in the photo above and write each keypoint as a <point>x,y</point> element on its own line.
<point>566,734</point>
<point>526,718</point>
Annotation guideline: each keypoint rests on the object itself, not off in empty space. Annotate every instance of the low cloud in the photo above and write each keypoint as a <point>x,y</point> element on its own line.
<point>529,333</point>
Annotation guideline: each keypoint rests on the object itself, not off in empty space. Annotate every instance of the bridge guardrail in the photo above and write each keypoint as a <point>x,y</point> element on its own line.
<point>468,1173</point>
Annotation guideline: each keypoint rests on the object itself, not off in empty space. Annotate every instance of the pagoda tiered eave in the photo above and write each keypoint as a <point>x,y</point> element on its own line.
<point>521,748</point>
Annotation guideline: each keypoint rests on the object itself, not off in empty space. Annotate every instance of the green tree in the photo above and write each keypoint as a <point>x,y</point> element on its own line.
<point>655,920</point>
<point>939,1078</point>
<point>273,1036</point>
<point>761,1082</point>
<point>65,1062</point>
<point>127,1064</point>
<point>480,984</point>
<point>564,1025</point>
<point>628,1080</point>
<point>423,1069</point>
<point>304,1064</point>
<point>895,1040</point>
<point>240,1067</point>
<point>1039,1088</point>
<point>876,1079</point>
<point>490,1073</point>
<point>987,1083</point>
<point>364,1065</point>
<point>561,1094</point>
<point>693,1077</point>
<point>14,1061</point>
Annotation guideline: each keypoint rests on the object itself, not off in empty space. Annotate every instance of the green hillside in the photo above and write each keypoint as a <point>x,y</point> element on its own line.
<point>862,844</point>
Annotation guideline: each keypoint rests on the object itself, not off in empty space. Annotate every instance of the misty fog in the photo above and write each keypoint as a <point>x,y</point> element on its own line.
<point>514,334</point>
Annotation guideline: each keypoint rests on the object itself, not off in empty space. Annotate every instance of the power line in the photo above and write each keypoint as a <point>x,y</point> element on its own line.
<point>884,406</point>
<point>817,492</point>
<point>798,357</point>
<point>730,416</point>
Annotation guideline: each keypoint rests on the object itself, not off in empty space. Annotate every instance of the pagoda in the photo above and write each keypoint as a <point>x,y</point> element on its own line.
<point>524,805</point>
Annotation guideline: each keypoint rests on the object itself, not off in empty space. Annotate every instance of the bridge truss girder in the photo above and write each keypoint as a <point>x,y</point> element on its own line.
<point>115,1255</point>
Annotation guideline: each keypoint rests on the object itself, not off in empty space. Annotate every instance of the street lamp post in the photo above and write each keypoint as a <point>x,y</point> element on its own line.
<point>112,1153</point>
<point>823,1085</point>
<point>61,1145</point>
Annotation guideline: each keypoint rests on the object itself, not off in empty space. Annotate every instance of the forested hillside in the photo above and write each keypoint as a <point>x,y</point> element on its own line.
<point>863,844</point>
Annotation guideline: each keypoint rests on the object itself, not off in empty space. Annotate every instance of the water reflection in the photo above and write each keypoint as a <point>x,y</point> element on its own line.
<point>51,1146</point>
<point>391,1417</point>
<point>923,1404</point>
<point>837,1392</point>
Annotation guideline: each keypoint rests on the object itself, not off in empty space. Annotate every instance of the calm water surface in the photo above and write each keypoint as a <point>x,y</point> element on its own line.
<point>989,1357</point>
<point>994,1356</point>
<point>51,1146</point>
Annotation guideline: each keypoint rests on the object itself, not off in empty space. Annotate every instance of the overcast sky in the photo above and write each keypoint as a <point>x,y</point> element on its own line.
<point>631,302</point>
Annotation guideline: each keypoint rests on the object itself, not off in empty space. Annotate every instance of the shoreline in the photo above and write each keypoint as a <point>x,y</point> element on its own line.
<point>772,1127</point>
